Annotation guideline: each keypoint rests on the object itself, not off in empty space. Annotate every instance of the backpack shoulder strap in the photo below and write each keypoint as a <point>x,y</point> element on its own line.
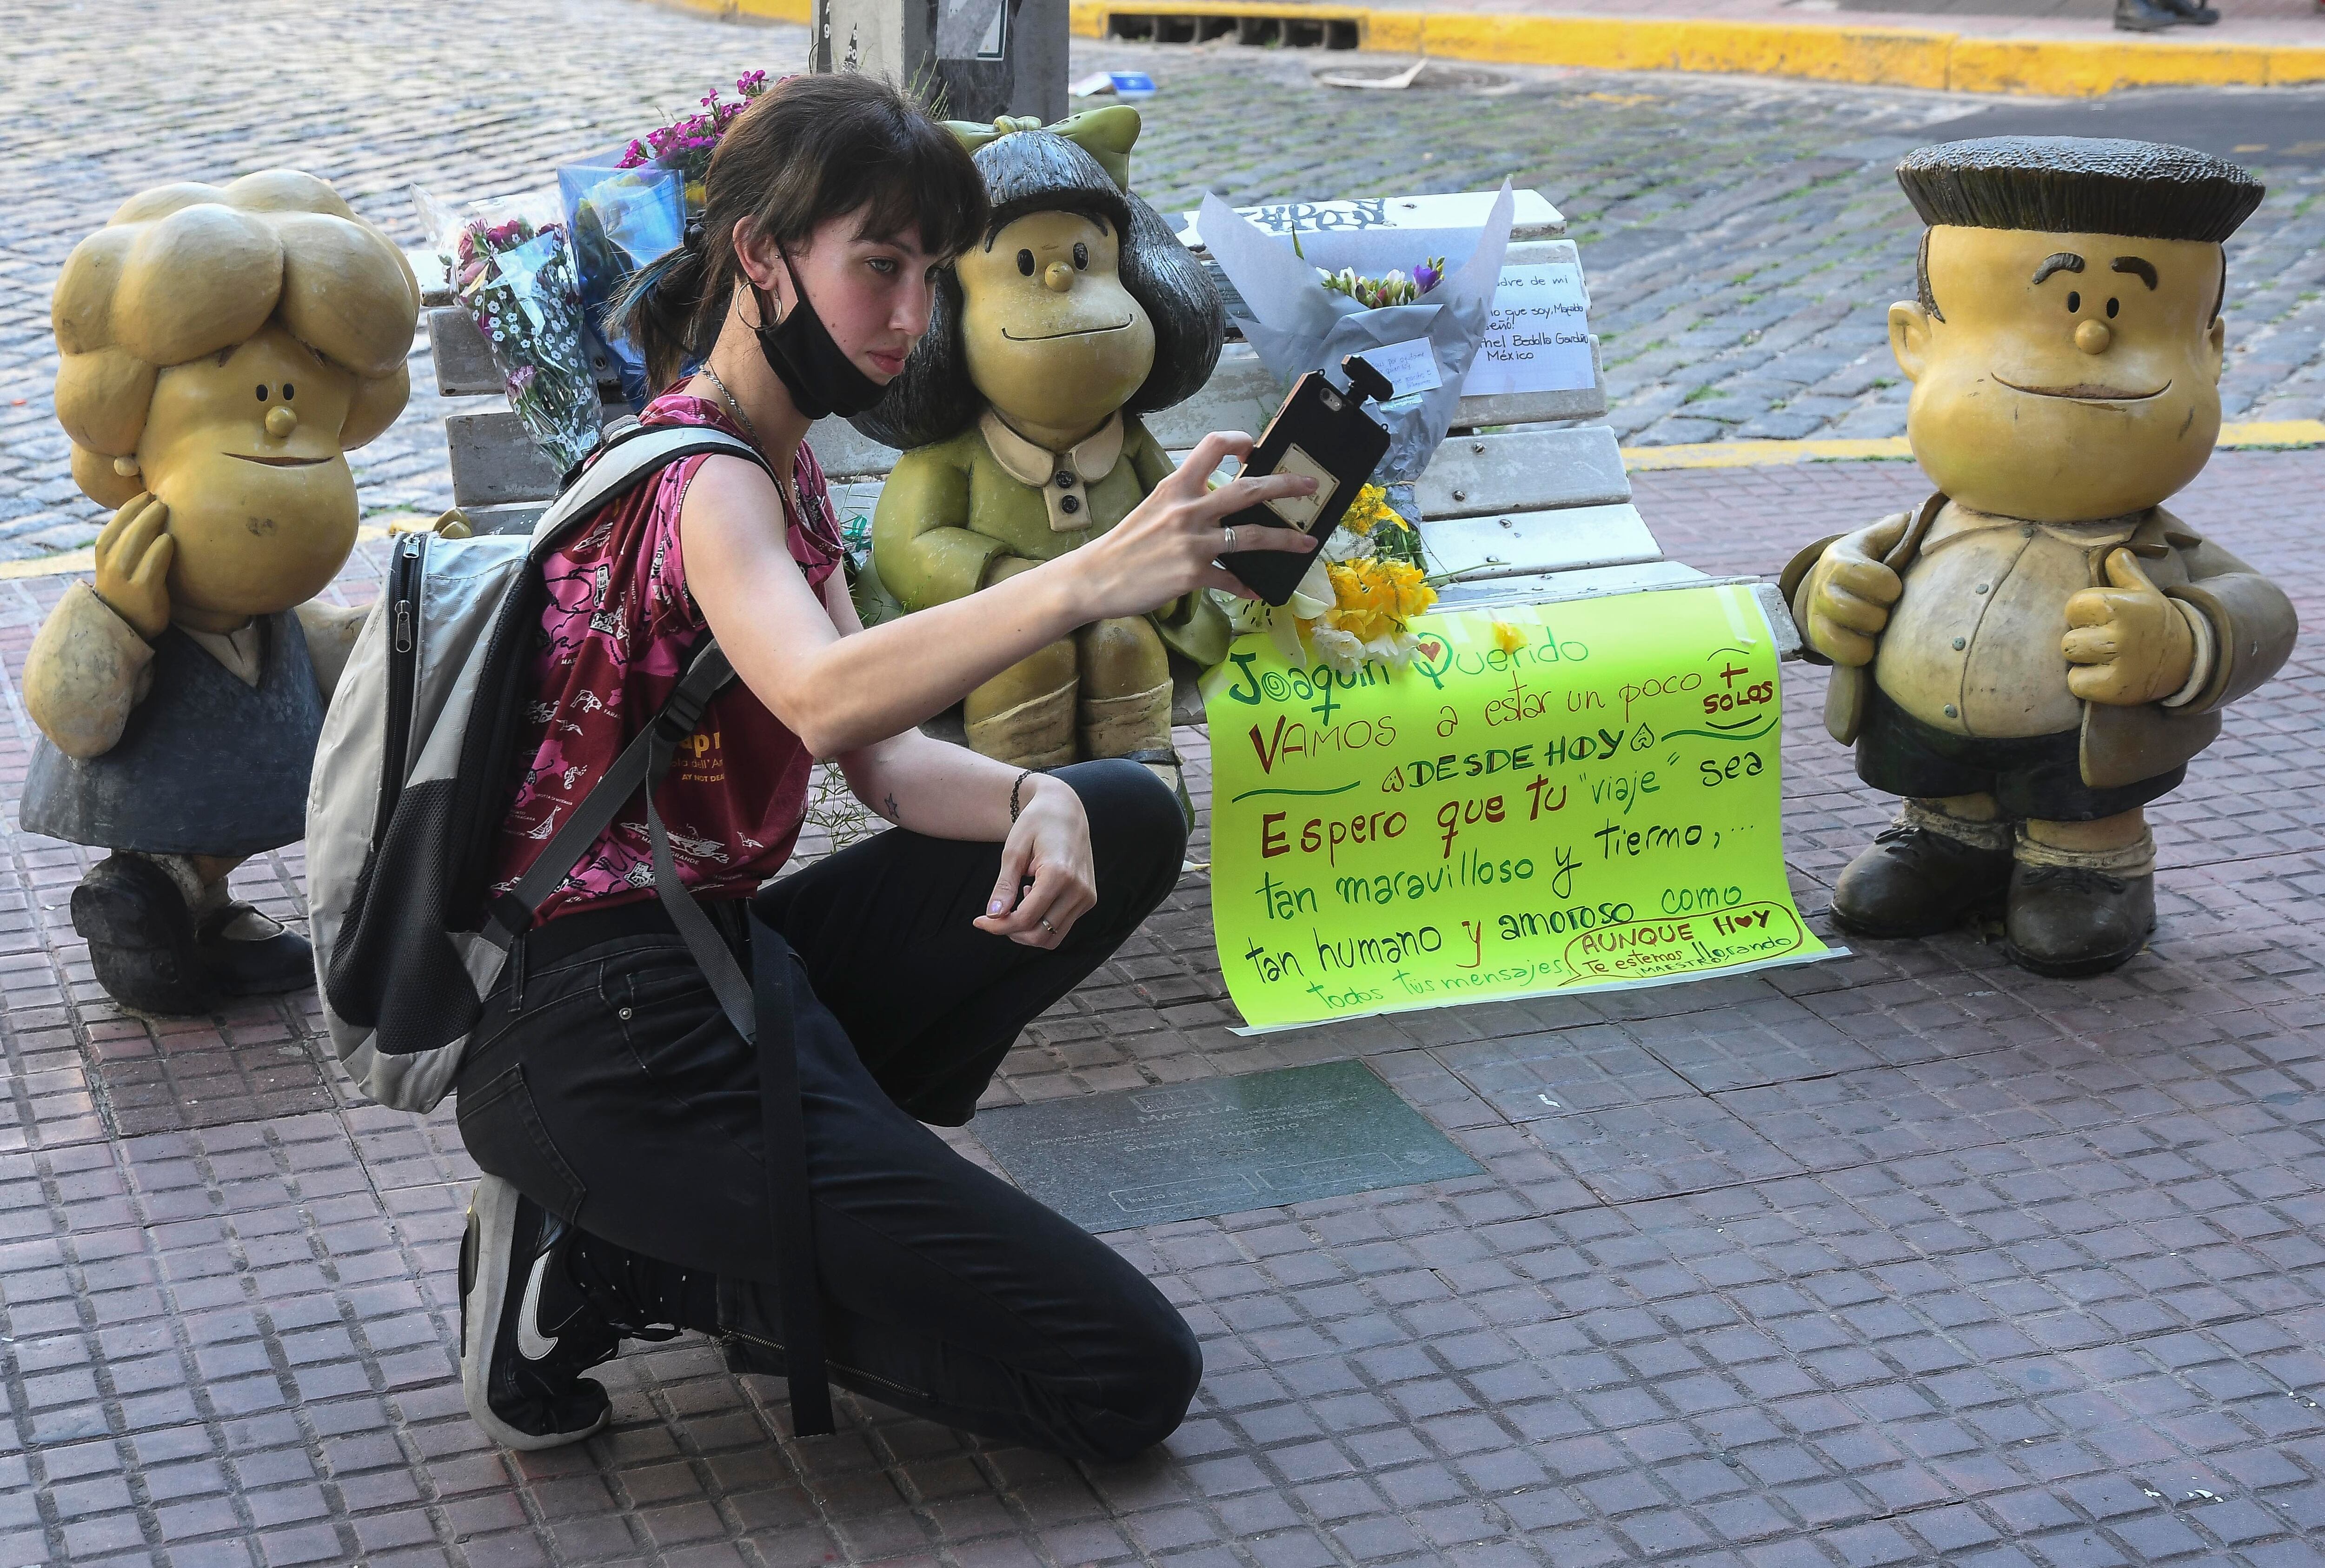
<point>706,674</point>
<point>627,460</point>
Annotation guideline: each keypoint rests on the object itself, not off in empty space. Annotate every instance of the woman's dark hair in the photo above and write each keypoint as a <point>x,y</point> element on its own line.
<point>1027,171</point>
<point>809,149</point>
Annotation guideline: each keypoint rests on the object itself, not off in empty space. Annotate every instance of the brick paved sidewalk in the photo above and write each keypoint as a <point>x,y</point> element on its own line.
<point>1905,1258</point>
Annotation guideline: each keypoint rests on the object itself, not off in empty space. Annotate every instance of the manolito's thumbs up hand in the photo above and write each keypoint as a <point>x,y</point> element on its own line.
<point>2128,644</point>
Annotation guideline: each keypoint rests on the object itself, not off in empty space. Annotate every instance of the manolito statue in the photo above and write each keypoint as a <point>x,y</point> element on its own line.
<point>2036,652</point>
<point>1019,414</point>
<point>221,350</point>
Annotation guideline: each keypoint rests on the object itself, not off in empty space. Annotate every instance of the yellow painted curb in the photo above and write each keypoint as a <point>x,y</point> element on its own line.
<point>1869,56</point>
<point>792,11</point>
<point>2283,432</point>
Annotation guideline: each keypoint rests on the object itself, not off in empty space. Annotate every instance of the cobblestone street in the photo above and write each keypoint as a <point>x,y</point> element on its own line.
<point>1907,1257</point>
<point>1743,238</point>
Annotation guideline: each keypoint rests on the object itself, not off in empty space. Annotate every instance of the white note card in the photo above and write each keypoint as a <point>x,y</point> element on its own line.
<point>1409,366</point>
<point>1538,338</point>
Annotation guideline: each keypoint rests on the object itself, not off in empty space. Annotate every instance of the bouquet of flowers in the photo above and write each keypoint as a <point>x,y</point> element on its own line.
<point>1307,316</point>
<point>512,271</point>
<point>687,142</point>
<point>1396,289</point>
<point>620,218</point>
<point>1358,600</point>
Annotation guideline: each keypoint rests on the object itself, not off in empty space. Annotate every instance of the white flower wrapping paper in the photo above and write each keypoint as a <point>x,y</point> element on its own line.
<point>1298,325</point>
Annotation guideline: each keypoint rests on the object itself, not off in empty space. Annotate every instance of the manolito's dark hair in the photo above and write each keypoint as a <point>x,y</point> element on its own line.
<point>2075,185</point>
<point>2080,185</point>
<point>1027,171</point>
<point>807,149</point>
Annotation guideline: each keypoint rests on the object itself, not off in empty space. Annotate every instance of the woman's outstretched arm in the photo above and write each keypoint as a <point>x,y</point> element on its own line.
<point>839,694</point>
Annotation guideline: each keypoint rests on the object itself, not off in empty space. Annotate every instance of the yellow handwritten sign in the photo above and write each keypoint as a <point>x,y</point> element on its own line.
<point>1550,798</point>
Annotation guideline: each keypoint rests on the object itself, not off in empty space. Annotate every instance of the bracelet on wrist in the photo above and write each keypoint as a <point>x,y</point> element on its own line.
<point>1016,784</point>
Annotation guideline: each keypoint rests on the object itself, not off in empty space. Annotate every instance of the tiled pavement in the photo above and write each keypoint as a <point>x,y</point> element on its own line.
<point>1904,1259</point>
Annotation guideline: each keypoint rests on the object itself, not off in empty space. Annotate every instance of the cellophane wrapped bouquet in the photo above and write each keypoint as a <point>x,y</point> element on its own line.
<point>687,141</point>
<point>630,203</point>
<point>1369,581</point>
<point>510,269</point>
<point>620,219</point>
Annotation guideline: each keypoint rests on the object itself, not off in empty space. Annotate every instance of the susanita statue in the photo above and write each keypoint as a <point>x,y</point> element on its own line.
<point>2035,653</point>
<point>1019,411</point>
<point>221,350</point>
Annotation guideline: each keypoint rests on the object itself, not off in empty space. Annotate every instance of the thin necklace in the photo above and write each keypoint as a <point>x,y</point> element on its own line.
<point>748,428</point>
<point>791,495</point>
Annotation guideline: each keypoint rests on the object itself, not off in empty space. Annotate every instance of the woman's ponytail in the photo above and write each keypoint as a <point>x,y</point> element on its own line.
<point>658,308</point>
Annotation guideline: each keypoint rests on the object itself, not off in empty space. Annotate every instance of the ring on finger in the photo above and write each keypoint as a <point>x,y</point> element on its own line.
<point>1230,541</point>
<point>1048,927</point>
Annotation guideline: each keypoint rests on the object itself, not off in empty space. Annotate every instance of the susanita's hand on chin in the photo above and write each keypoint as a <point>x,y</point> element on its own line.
<point>1171,544</point>
<point>133,565</point>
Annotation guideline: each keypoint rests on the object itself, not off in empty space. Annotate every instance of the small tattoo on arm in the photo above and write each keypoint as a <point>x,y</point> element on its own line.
<point>890,812</point>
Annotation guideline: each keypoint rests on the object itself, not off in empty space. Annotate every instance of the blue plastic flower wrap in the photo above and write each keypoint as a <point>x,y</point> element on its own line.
<point>620,219</point>
<point>511,270</point>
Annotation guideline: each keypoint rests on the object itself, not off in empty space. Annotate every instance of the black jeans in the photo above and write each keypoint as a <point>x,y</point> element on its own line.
<point>608,1086</point>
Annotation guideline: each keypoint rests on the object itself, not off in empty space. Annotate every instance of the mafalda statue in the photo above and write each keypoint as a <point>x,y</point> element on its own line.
<point>221,349</point>
<point>1019,414</point>
<point>2035,653</point>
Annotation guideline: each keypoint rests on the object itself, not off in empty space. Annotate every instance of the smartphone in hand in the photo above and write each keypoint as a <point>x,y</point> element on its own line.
<point>1326,435</point>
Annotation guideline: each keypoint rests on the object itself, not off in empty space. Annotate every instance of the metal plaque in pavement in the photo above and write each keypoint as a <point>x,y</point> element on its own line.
<point>1142,1156</point>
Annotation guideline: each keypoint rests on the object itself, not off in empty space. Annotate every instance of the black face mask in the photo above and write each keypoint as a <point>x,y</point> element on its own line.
<point>818,373</point>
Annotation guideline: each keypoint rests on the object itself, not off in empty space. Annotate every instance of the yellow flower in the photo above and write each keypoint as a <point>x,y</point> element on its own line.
<point>1368,511</point>
<point>1507,637</point>
<point>1373,598</point>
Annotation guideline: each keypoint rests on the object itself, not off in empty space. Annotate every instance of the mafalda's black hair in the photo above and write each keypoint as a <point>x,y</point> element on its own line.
<point>2075,185</point>
<point>1028,172</point>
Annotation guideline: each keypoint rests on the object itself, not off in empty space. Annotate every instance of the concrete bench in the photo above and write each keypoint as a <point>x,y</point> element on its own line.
<point>1527,515</point>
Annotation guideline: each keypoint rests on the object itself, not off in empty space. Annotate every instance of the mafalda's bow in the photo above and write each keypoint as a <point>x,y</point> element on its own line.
<point>1107,134</point>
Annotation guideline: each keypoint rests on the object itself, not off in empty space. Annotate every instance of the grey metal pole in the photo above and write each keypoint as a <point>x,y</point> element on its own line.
<point>978,58</point>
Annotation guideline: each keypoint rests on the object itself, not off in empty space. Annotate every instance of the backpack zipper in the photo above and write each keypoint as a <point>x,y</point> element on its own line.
<point>402,674</point>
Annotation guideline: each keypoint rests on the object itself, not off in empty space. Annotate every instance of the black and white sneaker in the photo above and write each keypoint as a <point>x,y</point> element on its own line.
<point>527,1332</point>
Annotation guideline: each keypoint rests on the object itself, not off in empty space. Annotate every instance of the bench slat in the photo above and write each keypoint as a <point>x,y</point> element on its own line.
<point>463,359</point>
<point>1527,543</point>
<point>1476,475</point>
<point>495,462</point>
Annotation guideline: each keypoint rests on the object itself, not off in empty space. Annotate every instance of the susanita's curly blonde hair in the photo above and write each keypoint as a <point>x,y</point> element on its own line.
<point>184,270</point>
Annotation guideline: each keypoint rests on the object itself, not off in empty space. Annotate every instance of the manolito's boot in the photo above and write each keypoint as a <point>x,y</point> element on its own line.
<point>1923,874</point>
<point>2075,913</point>
<point>2144,15</point>
<point>2194,13</point>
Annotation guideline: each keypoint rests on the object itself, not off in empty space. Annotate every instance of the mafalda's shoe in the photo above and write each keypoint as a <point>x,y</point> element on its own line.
<point>244,954</point>
<point>2074,914</point>
<point>527,1330</point>
<point>1917,878</point>
<point>2144,16</point>
<point>142,940</point>
<point>1165,763</point>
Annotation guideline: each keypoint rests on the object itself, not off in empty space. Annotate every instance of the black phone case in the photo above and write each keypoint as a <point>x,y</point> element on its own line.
<point>1341,446</point>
